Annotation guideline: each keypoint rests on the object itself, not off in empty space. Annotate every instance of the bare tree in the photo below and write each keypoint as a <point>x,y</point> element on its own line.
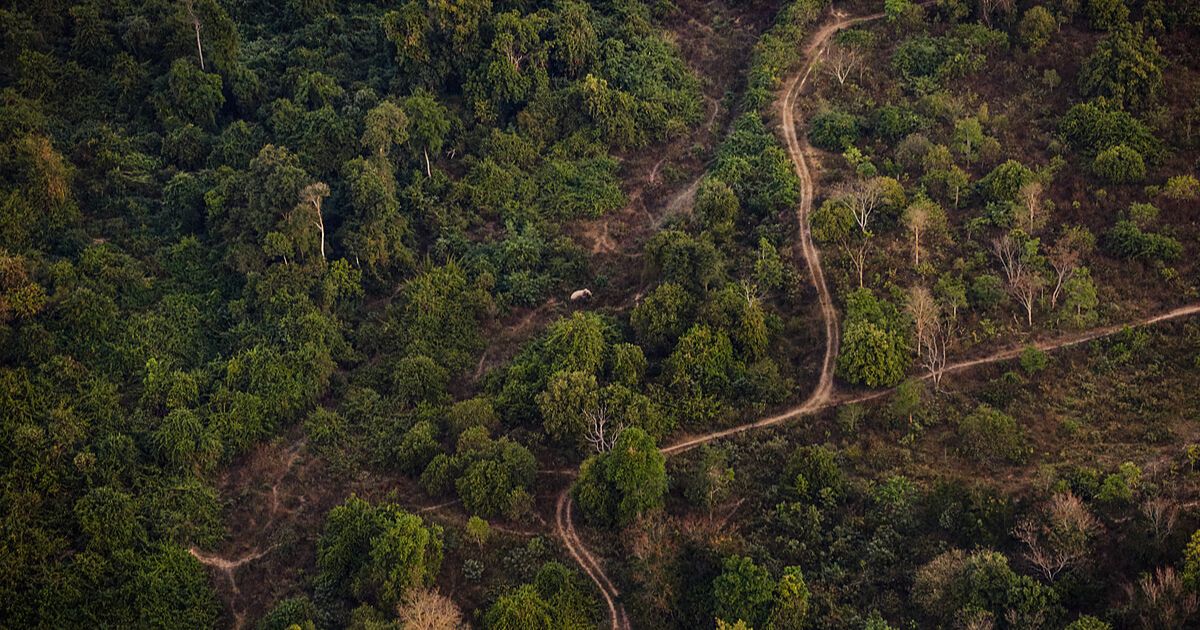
<point>191,10</point>
<point>916,219</point>
<point>1032,215</point>
<point>1065,256</point>
<point>938,338</point>
<point>924,312</point>
<point>600,433</point>
<point>312,196</point>
<point>1061,538</point>
<point>1024,282</point>
<point>429,610</point>
<point>863,197</point>
<point>842,60</point>
<point>1161,513</point>
<point>1162,600</point>
<point>988,8</point>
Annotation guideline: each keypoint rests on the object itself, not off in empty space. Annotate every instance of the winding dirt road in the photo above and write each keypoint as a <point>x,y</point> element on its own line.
<point>822,396</point>
<point>564,523</point>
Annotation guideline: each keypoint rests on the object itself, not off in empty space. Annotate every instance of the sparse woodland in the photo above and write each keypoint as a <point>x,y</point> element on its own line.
<point>294,330</point>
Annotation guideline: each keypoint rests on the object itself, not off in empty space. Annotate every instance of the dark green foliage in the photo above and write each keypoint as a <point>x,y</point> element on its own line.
<point>1096,125</point>
<point>758,170</point>
<point>874,348</point>
<point>744,591</point>
<point>1126,68</point>
<point>616,487</point>
<point>1004,182</point>
<point>992,435</point>
<point>834,130</point>
<point>377,552</point>
<point>1127,240</point>
<point>1119,164</point>
<point>295,611</point>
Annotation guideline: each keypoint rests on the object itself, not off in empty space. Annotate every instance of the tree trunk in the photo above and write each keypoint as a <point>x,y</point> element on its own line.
<point>196,25</point>
<point>428,170</point>
<point>916,248</point>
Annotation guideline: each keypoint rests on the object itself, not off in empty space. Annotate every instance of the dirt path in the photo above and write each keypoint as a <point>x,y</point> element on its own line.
<point>822,396</point>
<point>564,523</point>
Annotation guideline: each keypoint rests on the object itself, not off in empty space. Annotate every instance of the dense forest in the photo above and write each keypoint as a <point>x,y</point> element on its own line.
<point>564,314</point>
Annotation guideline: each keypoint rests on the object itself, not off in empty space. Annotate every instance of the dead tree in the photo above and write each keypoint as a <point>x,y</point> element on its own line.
<point>1161,513</point>
<point>1061,538</point>
<point>1024,282</point>
<point>1032,212</point>
<point>842,61</point>
<point>923,310</point>
<point>191,10</point>
<point>939,336</point>
<point>600,433</point>
<point>863,197</point>
<point>311,197</point>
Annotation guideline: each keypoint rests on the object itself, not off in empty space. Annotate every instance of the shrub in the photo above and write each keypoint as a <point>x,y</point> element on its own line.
<point>1033,360</point>
<point>834,130</point>
<point>1119,164</point>
<point>1037,27</point>
<point>991,434</point>
<point>987,291</point>
<point>1127,240</point>
<point>1182,187</point>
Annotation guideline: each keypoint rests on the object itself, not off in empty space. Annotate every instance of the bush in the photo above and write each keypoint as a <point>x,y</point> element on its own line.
<point>1037,27</point>
<point>992,435</point>
<point>1119,164</point>
<point>1127,240</point>
<point>1096,125</point>
<point>1033,360</point>
<point>987,291</point>
<point>834,130</point>
<point>1182,187</point>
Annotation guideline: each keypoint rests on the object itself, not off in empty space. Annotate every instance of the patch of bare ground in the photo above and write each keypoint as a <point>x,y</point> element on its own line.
<point>715,38</point>
<point>277,497</point>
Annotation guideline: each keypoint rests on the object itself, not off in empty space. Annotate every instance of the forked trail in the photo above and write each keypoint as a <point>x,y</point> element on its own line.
<point>822,396</point>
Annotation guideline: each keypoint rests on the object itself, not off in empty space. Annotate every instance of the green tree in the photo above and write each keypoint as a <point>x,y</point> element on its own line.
<point>662,317</point>
<point>834,130</point>
<point>171,590</point>
<point>195,94</point>
<point>791,600</point>
<point>710,479</point>
<point>1191,562</point>
<point>377,551</point>
<point>428,123</point>
<point>478,531</point>
<point>1106,15</point>
<point>520,609</point>
<point>631,479</point>
<point>1038,26</point>
<point>874,349</point>
<point>992,435</point>
<point>743,591</point>
<point>1119,164</point>
<point>385,128</point>
<point>568,397</point>
<point>1126,68</point>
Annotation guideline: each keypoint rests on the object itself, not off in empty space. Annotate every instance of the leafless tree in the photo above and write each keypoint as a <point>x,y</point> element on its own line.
<point>1032,215</point>
<point>938,339</point>
<point>1024,282</point>
<point>841,62</point>
<point>429,610</point>
<point>856,251</point>
<point>311,197</point>
<point>1161,513</point>
<point>1065,255</point>
<point>923,310</point>
<point>1061,538</point>
<point>191,10</point>
<point>601,434</point>
<point>863,197</point>
<point>1162,600</point>
<point>916,219</point>
<point>988,8</point>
